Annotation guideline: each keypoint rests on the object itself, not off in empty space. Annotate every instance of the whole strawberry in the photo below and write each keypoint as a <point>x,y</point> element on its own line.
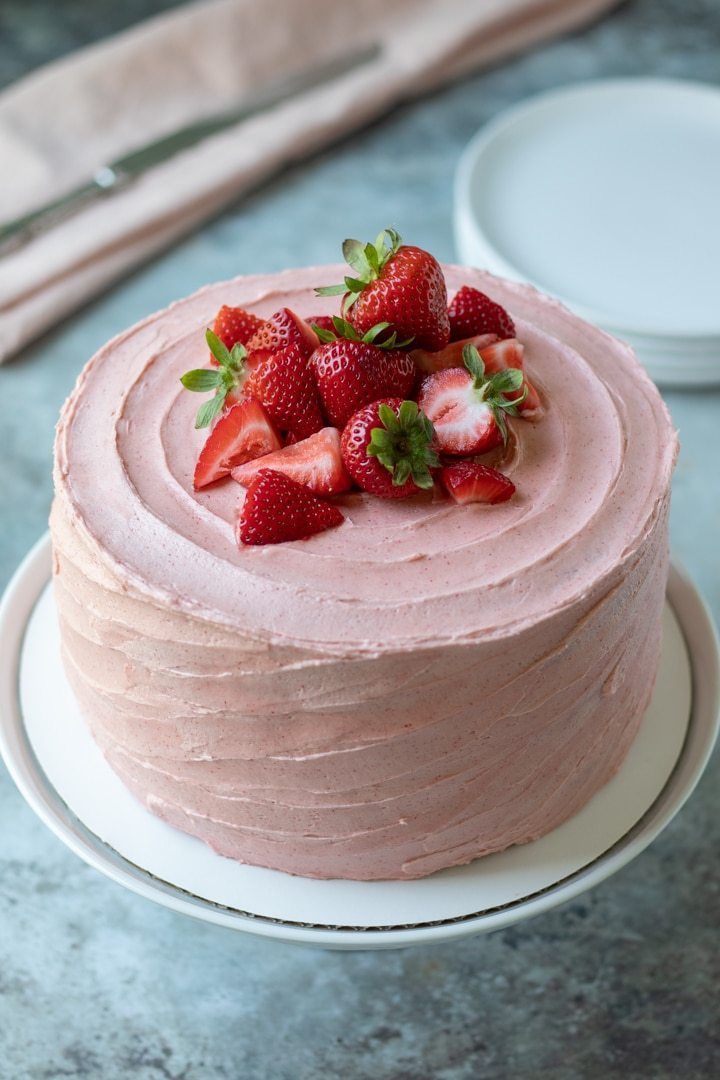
<point>284,385</point>
<point>387,449</point>
<point>351,371</point>
<point>472,312</point>
<point>397,284</point>
<point>235,326</point>
<point>277,509</point>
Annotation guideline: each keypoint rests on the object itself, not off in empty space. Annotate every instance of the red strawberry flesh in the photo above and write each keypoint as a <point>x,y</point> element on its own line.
<point>511,354</point>
<point>468,482</point>
<point>315,462</point>
<point>463,424</point>
<point>241,434</point>
<point>451,356</point>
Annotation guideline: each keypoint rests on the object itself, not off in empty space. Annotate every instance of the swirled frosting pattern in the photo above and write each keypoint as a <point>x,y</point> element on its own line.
<point>427,683</point>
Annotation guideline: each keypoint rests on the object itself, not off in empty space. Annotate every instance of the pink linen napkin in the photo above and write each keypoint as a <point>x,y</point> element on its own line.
<point>59,125</point>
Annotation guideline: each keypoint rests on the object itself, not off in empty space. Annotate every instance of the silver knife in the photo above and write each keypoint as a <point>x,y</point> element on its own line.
<point>119,173</point>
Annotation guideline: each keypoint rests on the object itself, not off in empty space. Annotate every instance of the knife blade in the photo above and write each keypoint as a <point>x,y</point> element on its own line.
<point>120,172</point>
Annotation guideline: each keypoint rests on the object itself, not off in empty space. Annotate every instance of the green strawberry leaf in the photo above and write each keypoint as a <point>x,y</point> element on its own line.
<point>202,379</point>
<point>229,375</point>
<point>218,348</point>
<point>208,411</point>
<point>367,261</point>
<point>325,336</point>
<point>473,361</point>
<point>374,331</point>
<point>344,329</point>
<point>373,259</point>
<point>403,445</point>
<point>330,290</point>
<point>508,381</point>
<point>354,252</point>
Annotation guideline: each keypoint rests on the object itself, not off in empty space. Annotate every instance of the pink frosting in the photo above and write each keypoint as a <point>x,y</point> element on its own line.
<point>424,684</point>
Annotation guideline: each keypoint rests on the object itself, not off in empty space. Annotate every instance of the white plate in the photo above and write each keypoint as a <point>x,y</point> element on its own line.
<point>65,779</point>
<point>605,195</point>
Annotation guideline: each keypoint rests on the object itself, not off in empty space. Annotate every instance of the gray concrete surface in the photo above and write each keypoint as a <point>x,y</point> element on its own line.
<point>95,982</point>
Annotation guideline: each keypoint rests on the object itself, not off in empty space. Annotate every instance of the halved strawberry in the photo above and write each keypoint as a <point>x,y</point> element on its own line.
<point>351,371</point>
<point>504,355</point>
<point>387,449</point>
<point>451,356</point>
<point>234,325</point>
<point>472,312</point>
<point>468,482</point>
<point>397,284</point>
<point>282,329</point>
<point>283,383</point>
<point>315,462</point>
<point>241,434</point>
<point>277,509</point>
<point>468,409</point>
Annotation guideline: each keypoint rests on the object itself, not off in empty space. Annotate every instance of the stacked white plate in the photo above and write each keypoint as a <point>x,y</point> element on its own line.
<point>607,195</point>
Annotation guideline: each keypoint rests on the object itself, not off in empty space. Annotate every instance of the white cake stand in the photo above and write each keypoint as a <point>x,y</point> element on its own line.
<point>65,779</point>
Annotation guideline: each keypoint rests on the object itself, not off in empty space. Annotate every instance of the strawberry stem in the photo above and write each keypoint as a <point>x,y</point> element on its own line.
<point>367,261</point>
<point>345,330</point>
<point>492,389</point>
<point>229,374</point>
<point>403,445</point>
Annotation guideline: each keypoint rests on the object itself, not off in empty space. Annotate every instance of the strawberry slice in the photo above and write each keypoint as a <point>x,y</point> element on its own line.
<point>234,326</point>
<point>451,356</point>
<point>315,462</point>
<point>472,312</point>
<point>467,408</point>
<point>277,509</point>
<point>283,383</point>
<point>504,355</point>
<point>463,423</point>
<point>281,330</point>
<point>468,482</point>
<point>242,433</point>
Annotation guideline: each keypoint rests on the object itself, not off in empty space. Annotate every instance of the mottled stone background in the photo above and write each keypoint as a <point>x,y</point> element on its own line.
<point>95,982</point>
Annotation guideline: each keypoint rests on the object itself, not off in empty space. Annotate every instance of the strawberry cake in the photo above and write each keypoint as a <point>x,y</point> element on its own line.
<point>360,569</point>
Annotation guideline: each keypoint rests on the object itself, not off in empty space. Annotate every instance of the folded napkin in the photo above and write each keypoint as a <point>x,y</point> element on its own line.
<point>59,125</point>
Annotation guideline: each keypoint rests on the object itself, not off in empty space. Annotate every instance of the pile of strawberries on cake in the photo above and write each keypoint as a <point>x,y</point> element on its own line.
<point>399,393</point>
